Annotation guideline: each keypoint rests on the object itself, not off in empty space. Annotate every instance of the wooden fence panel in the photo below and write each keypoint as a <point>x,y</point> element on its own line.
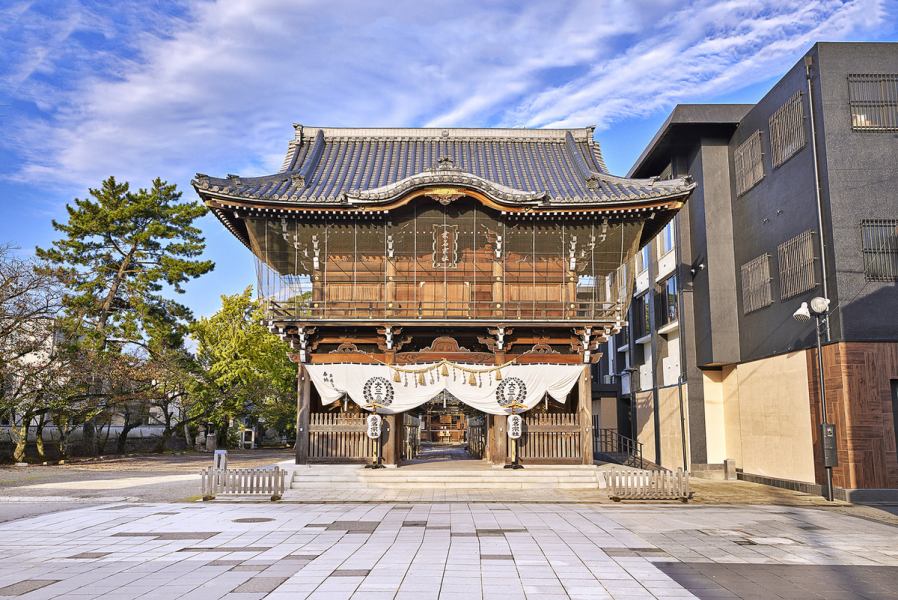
<point>337,437</point>
<point>550,438</point>
<point>648,485</point>
<point>270,482</point>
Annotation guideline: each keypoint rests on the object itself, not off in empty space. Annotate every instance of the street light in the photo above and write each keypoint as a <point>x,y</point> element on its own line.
<point>818,308</point>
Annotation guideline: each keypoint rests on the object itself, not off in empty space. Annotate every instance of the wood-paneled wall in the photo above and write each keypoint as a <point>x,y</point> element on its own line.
<point>858,393</point>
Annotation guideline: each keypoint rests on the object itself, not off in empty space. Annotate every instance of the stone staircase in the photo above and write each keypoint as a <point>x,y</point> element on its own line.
<point>317,478</point>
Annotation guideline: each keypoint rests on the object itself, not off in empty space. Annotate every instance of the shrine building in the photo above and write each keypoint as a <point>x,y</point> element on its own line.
<point>407,266</point>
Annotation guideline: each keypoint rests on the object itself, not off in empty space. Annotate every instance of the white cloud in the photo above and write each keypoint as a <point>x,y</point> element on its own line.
<point>215,90</point>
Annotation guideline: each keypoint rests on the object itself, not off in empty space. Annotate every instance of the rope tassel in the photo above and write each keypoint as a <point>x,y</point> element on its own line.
<point>444,370</point>
<point>396,377</point>
<point>472,380</point>
<point>420,378</point>
<point>498,375</point>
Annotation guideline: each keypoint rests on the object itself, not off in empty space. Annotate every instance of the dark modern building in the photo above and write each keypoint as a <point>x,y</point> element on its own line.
<point>796,197</point>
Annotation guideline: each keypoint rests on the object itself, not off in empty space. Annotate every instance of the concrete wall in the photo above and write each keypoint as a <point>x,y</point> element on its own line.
<point>645,423</point>
<point>861,180</point>
<point>715,417</point>
<point>670,425</point>
<point>767,416</point>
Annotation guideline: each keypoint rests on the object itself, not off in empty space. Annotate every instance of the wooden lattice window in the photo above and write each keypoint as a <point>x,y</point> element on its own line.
<point>873,99</point>
<point>880,245</point>
<point>756,293</point>
<point>749,163</point>
<point>787,130</point>
<point>796,265</point>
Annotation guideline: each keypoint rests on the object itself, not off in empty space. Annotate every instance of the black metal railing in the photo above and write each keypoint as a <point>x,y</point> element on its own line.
<point>608,444</point>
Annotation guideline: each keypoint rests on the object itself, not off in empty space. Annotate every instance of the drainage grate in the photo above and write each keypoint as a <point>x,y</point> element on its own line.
<point>91,555</point>
<point>351,573</point>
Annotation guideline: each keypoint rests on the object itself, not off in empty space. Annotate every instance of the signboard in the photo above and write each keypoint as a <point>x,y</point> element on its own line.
<point>830,451</point>
<point>515,426</point>
<point>374,422</point>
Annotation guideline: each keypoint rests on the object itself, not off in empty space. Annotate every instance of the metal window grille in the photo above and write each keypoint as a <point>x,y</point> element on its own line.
<point>873,99</point>
<point>787,130</point>
<point>756,292</point>
<point>748,160</point>
<point>796,265</point>
<point>880,247</point>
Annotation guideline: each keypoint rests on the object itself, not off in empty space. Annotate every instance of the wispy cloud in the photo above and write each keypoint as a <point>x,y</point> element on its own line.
<point>128,89</point>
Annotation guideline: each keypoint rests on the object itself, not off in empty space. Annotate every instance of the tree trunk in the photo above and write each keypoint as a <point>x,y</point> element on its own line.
<point>106,307</point>
<point>62,444</point>
<point>222,435</point>
<point>102,439</point>
<point>166,433</point>
<point>21,434</point>
<point>39,437</point>
<point>189,439</point>
<point>89,438</point>
<point>121,444</point>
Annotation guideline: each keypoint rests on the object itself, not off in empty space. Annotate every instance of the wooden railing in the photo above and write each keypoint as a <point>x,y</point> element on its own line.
<point>243,482</point>
<point>337,437</point>
<point>550,438</point>
<point>648,485</point>
<point>532,310</point>
<point>476,439</point>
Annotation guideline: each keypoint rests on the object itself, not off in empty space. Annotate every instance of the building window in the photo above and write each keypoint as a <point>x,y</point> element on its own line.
<point>787,130</point>
<point>749,164</point>
<point>796,265</point>
<point>880,244</point>
<point>667,238</point>
<point>642,259</point>
<point>873,99</point>
<point>667,301</point>
<point>642,324</point>
<point>756,292</point>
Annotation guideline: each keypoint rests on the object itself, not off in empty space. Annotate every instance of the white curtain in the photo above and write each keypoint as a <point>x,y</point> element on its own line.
<point>524,384</point>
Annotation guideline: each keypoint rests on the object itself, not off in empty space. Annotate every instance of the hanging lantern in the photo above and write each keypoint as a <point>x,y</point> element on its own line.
<point>498,375</point>
<point>444,370</point>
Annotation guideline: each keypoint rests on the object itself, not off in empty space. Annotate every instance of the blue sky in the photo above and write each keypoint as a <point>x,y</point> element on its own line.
<point>139,89</point>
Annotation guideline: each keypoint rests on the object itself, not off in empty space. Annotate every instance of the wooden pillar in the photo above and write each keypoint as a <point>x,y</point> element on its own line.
<point>584,409</point>
<point>303,411</point>
<point>497,439</point>
<point>496,436</point>
<point>392,432</point>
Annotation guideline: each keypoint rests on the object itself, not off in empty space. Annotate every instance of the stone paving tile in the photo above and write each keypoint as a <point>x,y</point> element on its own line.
<point>459,550</point>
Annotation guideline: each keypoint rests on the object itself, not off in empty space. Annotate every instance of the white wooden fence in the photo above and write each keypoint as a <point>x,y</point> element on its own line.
<point>648,485</point>
<point>242,482</point>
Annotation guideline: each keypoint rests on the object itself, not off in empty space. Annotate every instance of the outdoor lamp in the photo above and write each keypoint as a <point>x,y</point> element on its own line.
<point>818,308</point>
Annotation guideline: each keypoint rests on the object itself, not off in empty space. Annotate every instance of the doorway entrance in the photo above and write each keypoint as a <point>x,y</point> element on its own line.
<point>449,430</point>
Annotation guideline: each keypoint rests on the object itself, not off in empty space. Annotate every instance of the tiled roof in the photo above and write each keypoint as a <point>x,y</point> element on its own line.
<point>334,166</point>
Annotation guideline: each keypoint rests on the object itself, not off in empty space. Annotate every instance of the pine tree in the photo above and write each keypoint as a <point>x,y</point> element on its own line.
<point>120,249</point>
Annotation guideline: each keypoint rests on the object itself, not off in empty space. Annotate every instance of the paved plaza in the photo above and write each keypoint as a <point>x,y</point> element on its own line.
<point>453,551</point>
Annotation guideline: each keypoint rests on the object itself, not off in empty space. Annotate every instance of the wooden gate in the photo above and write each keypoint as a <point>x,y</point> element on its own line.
<point>411,436</point>
<point>550,438</point>
<point>476,435</point>
<point>337,437</point>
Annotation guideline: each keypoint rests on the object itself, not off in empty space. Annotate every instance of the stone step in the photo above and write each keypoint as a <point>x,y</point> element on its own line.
<point>528,478</point>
